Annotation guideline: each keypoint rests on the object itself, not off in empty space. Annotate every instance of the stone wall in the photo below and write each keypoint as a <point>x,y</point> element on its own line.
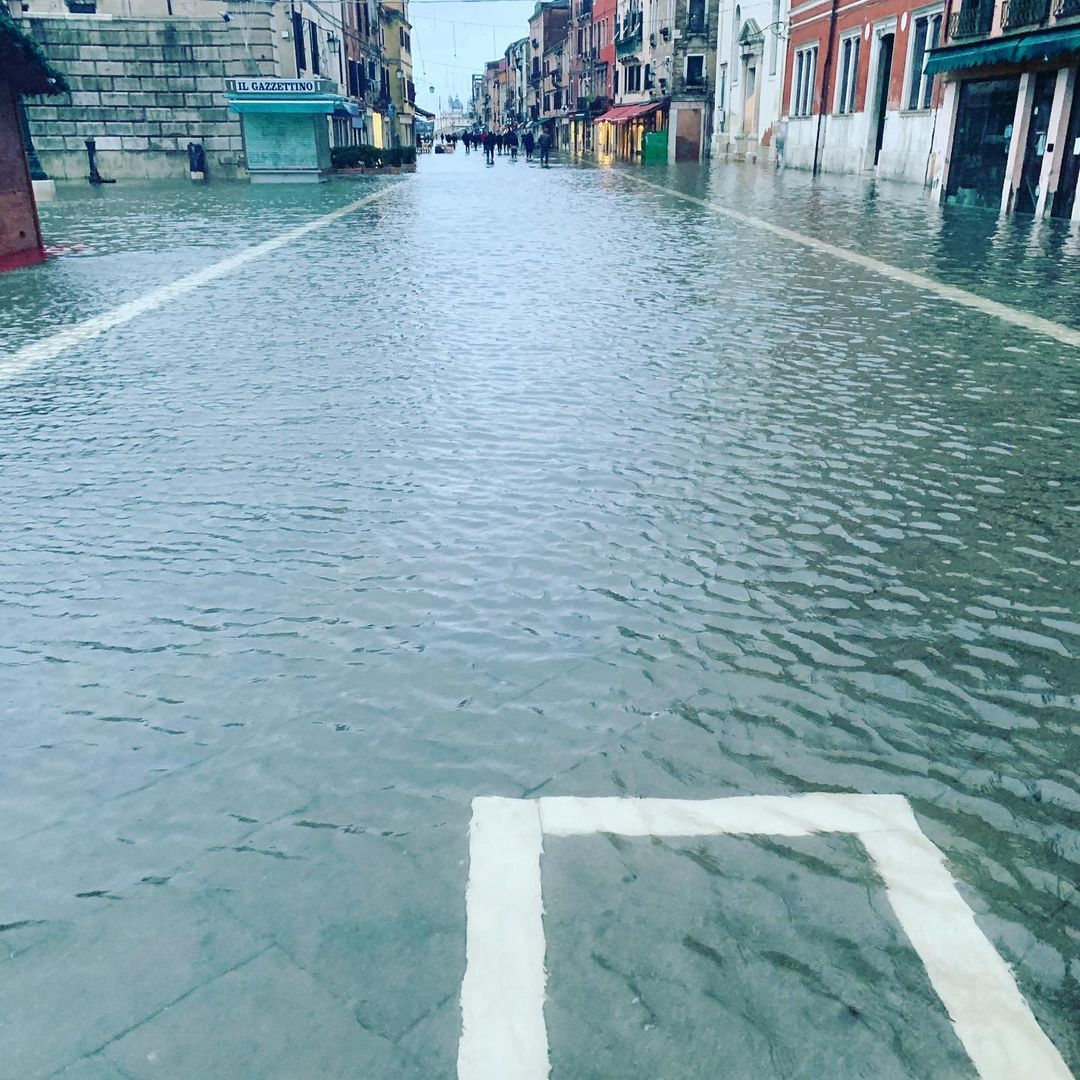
<point>144,89</point>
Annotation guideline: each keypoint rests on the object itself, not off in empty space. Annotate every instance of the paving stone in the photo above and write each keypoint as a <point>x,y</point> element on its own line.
<point>266,1020</point>
<point>95,977</point>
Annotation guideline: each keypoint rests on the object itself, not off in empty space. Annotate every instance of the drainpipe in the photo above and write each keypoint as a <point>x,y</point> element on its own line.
<point>826,73</point>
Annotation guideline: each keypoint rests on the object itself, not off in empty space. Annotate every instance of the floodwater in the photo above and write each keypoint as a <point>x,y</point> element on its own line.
<point>528,482</point>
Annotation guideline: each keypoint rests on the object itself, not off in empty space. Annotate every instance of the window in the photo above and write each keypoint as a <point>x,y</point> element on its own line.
<point>633,78</point>
<point>371,71</point>
<point>547,103</point>
<point>615,83</point>
<point>313,36</point>
<point>648,77</point>
<point>803,80</point>
<point>695,19</point>
<point>926,36</point>
<point>695,70</point>
<point>298,42</point>
<point>848,74</point>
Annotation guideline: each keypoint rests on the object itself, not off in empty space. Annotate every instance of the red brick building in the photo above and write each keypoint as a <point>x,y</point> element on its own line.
<point>23,70</point>
<point>856,98</point>
<point>603,18</point>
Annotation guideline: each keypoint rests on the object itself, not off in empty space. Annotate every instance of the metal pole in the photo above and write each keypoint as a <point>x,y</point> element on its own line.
<point>825,74</point>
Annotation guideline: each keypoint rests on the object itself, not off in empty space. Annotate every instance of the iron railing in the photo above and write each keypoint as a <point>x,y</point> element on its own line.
<point>1016,13</point>
<point>971,21</point>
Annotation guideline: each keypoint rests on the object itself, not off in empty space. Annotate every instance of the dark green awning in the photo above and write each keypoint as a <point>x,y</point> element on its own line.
<point>1049,45</point>
<point>1027,48</point>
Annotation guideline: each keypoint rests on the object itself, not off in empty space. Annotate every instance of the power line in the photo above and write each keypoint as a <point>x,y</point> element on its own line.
<point>467,22</point>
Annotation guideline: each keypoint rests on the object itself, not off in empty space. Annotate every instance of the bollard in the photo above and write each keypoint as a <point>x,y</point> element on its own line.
<point>91,153</point>
<point>196,161</point>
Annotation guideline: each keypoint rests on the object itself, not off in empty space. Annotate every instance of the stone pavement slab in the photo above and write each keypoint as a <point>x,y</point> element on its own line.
<point>734,957</point>
<point>265,1019</point>
<point>95,977</point>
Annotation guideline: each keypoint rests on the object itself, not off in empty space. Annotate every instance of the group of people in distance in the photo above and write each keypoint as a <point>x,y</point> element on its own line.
<point>509,141</point>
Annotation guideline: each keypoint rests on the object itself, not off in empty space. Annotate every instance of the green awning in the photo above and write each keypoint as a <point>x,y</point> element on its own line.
<point>313,105</point>
<point>1049,44</point>
<point>1026,48</point>
<point>981,54</point>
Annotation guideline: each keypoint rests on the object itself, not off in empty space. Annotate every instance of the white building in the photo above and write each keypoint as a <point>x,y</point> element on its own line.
<point>750,57</point>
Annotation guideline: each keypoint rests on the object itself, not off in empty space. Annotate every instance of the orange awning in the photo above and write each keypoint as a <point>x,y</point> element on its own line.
<point>623,114</point>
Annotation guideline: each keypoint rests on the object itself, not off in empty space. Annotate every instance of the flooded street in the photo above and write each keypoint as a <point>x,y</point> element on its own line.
<point>528,482</point>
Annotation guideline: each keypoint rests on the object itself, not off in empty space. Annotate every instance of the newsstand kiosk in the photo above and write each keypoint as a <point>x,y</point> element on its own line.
<point>284,121</point>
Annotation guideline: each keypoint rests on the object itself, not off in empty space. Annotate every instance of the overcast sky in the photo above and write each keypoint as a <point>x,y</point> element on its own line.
<point>453,39</point>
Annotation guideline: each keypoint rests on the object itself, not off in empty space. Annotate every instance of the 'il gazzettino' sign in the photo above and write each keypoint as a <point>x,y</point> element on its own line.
<point>273,86</point>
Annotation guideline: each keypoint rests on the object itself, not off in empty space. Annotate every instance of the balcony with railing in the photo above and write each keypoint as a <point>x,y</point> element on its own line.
<point>1017,13</point>
<point>629,42</point>
<point>972,20</point>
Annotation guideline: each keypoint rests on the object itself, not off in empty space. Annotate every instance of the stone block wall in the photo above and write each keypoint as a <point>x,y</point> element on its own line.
<point>144,89</point>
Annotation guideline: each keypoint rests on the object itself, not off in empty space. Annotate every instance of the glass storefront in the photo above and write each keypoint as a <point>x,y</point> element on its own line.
<point>980,150</point>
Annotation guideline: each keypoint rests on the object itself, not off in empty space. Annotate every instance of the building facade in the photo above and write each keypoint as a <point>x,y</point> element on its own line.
<point>517,83</point>
<point>363,66</point>
<point>148,77</point>
<point>663,81</point>
<point>398,91</point>
<point>751,53</point>
<point>856,96</point>
<point>1010,116</point>
<point>548,29</point>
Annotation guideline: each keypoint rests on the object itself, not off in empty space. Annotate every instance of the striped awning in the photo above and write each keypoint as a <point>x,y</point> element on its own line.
<point>623,114</point>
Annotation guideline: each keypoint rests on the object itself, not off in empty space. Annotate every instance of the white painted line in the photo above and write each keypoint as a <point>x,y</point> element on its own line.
<point>502,997</point>
<point>988,1012</point>
<point>1058,331</point>
<point>774,815</point>
<point>37,352</point>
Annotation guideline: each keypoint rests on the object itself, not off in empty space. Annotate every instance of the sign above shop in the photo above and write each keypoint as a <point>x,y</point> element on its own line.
<point>276,86</point>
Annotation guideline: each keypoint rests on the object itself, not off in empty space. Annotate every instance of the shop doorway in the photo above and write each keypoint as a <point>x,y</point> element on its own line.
<point>688,135</point>
<point>1027,194</point>
<point>980,146</point>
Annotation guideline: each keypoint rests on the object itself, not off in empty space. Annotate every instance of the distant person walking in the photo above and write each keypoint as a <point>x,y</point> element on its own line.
<point>544,142</point>
<point>489,146</point>
<point>530,144</point>
<point>512,143</point>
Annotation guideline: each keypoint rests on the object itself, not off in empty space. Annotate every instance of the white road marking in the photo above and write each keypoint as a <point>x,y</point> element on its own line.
<point>1058,331</point>
<point>502,997</point>
<point>37,352</point>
